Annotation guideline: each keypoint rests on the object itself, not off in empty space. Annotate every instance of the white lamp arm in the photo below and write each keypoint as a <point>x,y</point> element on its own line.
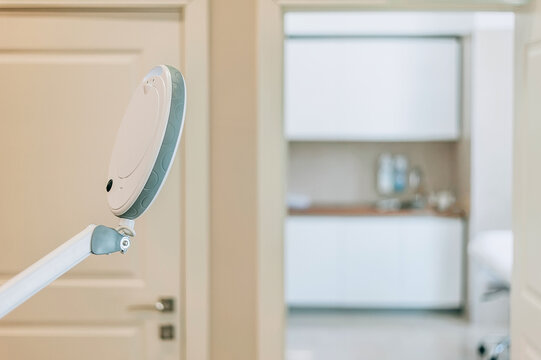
<point>92,240</point>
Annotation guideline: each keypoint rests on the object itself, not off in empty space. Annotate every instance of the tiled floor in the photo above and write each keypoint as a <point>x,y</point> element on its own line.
<point>363,335</point>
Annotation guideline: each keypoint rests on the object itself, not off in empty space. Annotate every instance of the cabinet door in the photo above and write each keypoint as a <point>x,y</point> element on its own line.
<point>431,269</point>
<point>383,89</point>
<point>371,259</point>
<point>374,262</point>
<point>403,262</point>
<point>312,257</point>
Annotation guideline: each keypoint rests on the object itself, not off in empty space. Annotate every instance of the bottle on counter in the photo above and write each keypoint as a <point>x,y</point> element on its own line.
<point>400,163</point>
<point>385,174</point>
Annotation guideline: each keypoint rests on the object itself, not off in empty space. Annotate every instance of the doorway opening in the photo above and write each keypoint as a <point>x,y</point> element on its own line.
<point>399,132</point>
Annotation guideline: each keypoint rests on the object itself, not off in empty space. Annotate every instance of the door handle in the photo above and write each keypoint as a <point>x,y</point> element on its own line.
<point>164,305</point>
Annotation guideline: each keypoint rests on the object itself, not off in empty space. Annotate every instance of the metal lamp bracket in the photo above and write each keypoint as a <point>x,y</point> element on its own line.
<point>106,240</point>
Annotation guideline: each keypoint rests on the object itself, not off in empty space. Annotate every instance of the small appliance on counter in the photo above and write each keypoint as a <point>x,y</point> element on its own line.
<point>402,187</point>
<point>442,200</point>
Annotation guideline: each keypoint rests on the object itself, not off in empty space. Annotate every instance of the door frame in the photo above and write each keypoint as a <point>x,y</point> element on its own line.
<point>272,145</point>
<point>271,154</point>
<point>194,302</point>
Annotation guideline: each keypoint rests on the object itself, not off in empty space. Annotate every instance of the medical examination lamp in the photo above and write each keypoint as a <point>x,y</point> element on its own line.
<point>142,156</point>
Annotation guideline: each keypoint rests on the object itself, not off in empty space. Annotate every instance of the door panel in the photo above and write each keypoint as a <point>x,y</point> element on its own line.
<point>526,282</point>
<point>69,77</point>
<point>118,342</point>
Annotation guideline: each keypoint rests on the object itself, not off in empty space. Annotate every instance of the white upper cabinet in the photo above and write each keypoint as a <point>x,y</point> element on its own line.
<point>370,88</point>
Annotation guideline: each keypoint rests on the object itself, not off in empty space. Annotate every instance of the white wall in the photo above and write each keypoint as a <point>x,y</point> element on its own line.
<point>378,23</point>
<point>492,125</point>
<point>491,148</point>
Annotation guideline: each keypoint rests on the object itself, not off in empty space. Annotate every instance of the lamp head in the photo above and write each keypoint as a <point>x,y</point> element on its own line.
<point>146,142</point>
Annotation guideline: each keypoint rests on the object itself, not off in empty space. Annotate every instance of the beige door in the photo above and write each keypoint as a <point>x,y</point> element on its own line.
<point>67,78</point>
<point>526,283</point>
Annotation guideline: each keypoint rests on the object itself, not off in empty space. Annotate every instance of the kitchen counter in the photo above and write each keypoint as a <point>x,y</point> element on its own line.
<point>360,210</point>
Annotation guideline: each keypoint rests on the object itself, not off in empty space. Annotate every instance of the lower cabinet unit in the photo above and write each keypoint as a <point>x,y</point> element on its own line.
<point>388,262</point>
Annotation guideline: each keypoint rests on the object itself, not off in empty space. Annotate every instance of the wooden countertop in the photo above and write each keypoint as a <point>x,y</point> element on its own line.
<point>360,210</point>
